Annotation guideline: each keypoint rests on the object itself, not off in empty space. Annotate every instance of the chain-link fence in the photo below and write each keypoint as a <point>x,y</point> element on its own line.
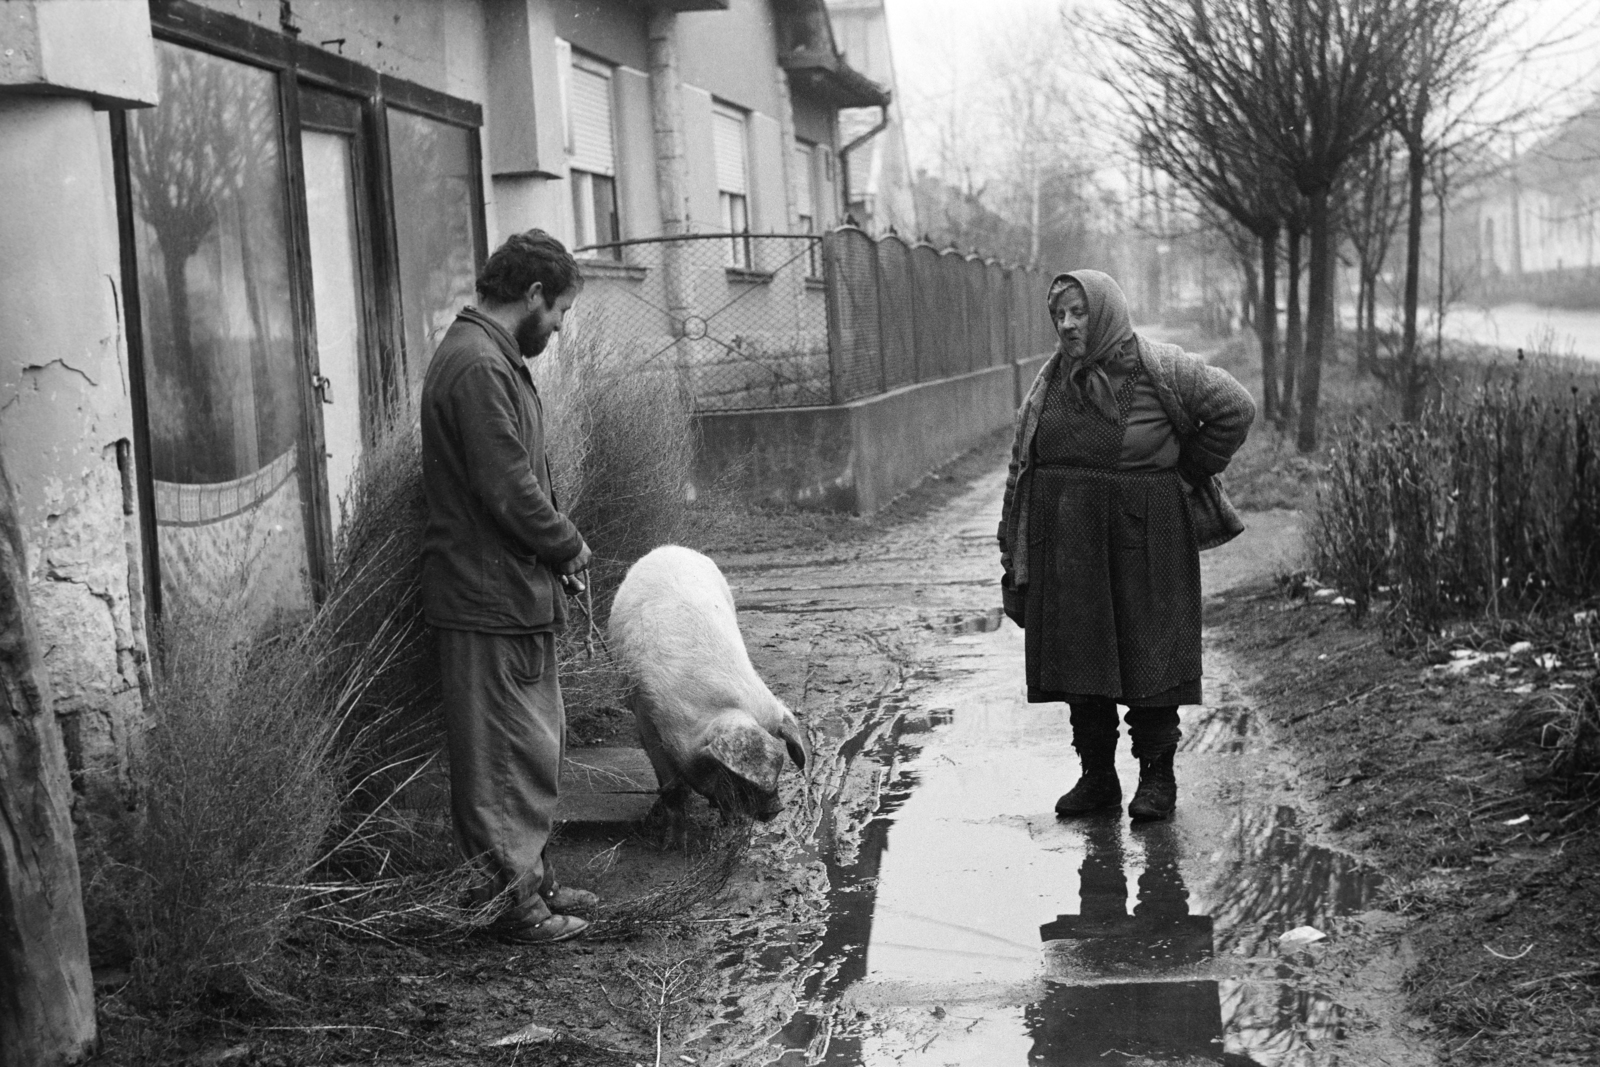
<point>741,319</point>
<point>789,320</point>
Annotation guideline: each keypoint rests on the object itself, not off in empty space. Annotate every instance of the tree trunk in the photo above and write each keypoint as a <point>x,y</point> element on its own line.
<point>1330,344</point>
<point>1318,319</point>
<point>46,992</point>
<point>1369,321</point>
<point>1267,324</point>
<point>1294,341</point>
<point>1410,374</point>
<point>1251,293</point>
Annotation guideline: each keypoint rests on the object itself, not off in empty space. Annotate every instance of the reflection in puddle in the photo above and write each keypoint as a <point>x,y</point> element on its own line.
<point>985,622</point>
<point>1109,1022</point>
<point>1191,972</point>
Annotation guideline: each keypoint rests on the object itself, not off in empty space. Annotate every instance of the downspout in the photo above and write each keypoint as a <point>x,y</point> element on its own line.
<point>844,153</point>
<point>672,166</point>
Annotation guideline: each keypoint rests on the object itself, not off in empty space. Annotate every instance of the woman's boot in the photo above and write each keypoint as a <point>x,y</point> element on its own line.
<point>1155,741</point>
<point>1094,735</point>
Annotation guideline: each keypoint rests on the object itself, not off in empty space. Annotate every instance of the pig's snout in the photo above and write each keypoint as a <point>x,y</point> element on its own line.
<point>769,810</point>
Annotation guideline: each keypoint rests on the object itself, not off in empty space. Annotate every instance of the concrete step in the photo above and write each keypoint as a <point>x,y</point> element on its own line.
<point>605,788</point>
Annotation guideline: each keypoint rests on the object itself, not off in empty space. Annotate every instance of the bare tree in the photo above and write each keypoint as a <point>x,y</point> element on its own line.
<point>1202,140</point>
<point>46,993</point>
<point>1300,88</point>
<point>1371,224</point>
<point>1435,100</point>
<point>1327,66</point>
<point>1038,124</point>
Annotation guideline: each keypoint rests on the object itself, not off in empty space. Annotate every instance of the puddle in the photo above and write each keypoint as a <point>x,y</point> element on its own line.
<point>986,622</point>
<point>968,926</point>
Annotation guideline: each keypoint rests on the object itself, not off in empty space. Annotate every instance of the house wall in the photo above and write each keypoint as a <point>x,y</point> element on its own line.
<point>65,411</point>
<point>816,123</point>
<point>708,40</point>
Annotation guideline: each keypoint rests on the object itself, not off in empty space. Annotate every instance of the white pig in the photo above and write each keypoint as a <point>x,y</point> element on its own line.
<point>707,720</point>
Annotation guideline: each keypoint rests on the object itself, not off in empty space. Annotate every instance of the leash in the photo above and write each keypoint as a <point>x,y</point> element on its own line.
<point>580,590</point>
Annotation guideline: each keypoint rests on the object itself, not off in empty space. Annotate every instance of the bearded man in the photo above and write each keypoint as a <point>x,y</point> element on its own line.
<point>496,555</point>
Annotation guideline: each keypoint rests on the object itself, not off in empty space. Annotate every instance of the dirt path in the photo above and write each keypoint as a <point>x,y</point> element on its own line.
<point>918,864</point>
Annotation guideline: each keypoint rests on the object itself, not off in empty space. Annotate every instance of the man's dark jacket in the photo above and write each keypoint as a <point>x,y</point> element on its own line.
<point>493,531</point>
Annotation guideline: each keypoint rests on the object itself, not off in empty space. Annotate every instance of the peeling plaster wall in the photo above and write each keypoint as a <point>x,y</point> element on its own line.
<point>64,408</point>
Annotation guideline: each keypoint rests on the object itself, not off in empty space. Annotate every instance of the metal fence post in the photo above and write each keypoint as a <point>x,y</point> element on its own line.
<point>832,280</point>
<point>883,335</point>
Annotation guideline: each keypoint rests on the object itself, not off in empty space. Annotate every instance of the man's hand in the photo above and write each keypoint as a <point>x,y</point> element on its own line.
<point>577,564</point>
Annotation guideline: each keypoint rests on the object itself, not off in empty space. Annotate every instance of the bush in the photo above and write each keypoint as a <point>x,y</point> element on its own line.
<point>621,448</point>
<point>238,785</point>
<point>1490,503</point>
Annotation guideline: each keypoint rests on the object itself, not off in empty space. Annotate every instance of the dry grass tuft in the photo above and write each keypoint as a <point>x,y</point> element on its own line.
<point>711,866</point>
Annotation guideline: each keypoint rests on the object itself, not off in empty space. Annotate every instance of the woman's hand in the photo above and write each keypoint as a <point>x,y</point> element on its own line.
<point>1013,599</point>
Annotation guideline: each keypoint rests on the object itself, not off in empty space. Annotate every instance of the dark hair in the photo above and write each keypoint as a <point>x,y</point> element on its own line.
<point>525,258</point>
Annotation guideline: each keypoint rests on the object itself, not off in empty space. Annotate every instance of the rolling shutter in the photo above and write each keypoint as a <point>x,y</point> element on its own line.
<point>593,149</point>
<point>727,129</point>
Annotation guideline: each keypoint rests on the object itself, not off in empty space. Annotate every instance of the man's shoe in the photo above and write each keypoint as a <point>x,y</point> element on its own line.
<point>564,900</point>
<point>1097,790</point>
<point>545,932</point>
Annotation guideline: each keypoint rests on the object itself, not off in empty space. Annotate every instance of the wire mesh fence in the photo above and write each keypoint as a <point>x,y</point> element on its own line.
<point>744,321</point>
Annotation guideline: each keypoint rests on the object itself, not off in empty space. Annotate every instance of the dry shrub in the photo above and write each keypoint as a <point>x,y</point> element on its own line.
<point>621,445</point>
<point>242,776</point>
<point>1489,503</point>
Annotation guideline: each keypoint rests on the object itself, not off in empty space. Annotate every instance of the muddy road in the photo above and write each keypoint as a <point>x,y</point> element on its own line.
<point>919,903</point>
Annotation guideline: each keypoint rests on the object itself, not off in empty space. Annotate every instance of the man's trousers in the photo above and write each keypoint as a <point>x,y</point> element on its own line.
<point>506,734</point>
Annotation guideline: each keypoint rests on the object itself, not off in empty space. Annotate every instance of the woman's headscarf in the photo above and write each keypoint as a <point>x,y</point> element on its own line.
<point>1109,328</point>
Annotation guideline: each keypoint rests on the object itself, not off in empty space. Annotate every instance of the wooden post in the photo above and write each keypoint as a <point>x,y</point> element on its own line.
<point>46,991</point>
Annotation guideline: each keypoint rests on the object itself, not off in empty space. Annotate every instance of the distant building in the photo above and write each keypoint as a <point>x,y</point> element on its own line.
<point>234,231</point>
<point>880,194</point>
<point>1529,231</point>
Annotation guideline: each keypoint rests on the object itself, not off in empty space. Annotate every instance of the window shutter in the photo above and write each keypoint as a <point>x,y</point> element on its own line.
<point>805,197</point>
<point>592,147</point>
<point>727,129</point>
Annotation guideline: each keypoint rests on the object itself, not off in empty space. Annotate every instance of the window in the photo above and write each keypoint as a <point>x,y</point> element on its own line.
<point>435,215</point>
<point>592,156</point>
<point>728,137</point>
<point>805,201</point>
<point>280,302</point>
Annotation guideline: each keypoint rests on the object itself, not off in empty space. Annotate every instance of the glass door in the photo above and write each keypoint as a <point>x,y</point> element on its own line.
<point>210,230</point>
<point>330,151</point>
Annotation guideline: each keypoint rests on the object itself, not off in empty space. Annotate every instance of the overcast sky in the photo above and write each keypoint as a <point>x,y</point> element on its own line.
<point>942,48</point>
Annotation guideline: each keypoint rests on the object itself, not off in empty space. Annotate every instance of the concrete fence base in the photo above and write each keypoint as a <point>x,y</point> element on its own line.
<point>856,457</point>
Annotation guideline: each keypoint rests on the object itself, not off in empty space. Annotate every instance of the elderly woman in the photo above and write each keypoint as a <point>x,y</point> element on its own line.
<point>1111,495</point>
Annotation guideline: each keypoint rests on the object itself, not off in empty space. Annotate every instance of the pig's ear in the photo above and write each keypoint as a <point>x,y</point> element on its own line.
<point>744,749</point>
<point>793,738</point>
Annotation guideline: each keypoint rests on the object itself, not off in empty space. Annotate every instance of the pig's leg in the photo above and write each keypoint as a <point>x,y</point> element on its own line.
<point>668,818</point>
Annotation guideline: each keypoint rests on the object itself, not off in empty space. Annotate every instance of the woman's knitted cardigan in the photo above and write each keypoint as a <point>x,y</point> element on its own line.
<point>1211,414</point>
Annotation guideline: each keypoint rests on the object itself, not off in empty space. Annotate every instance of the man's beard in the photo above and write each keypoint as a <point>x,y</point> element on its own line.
<point>531,337</point>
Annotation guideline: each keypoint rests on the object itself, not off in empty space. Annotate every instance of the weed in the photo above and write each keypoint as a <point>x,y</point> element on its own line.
<point>658,995</point>
<point>1489,504</point>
